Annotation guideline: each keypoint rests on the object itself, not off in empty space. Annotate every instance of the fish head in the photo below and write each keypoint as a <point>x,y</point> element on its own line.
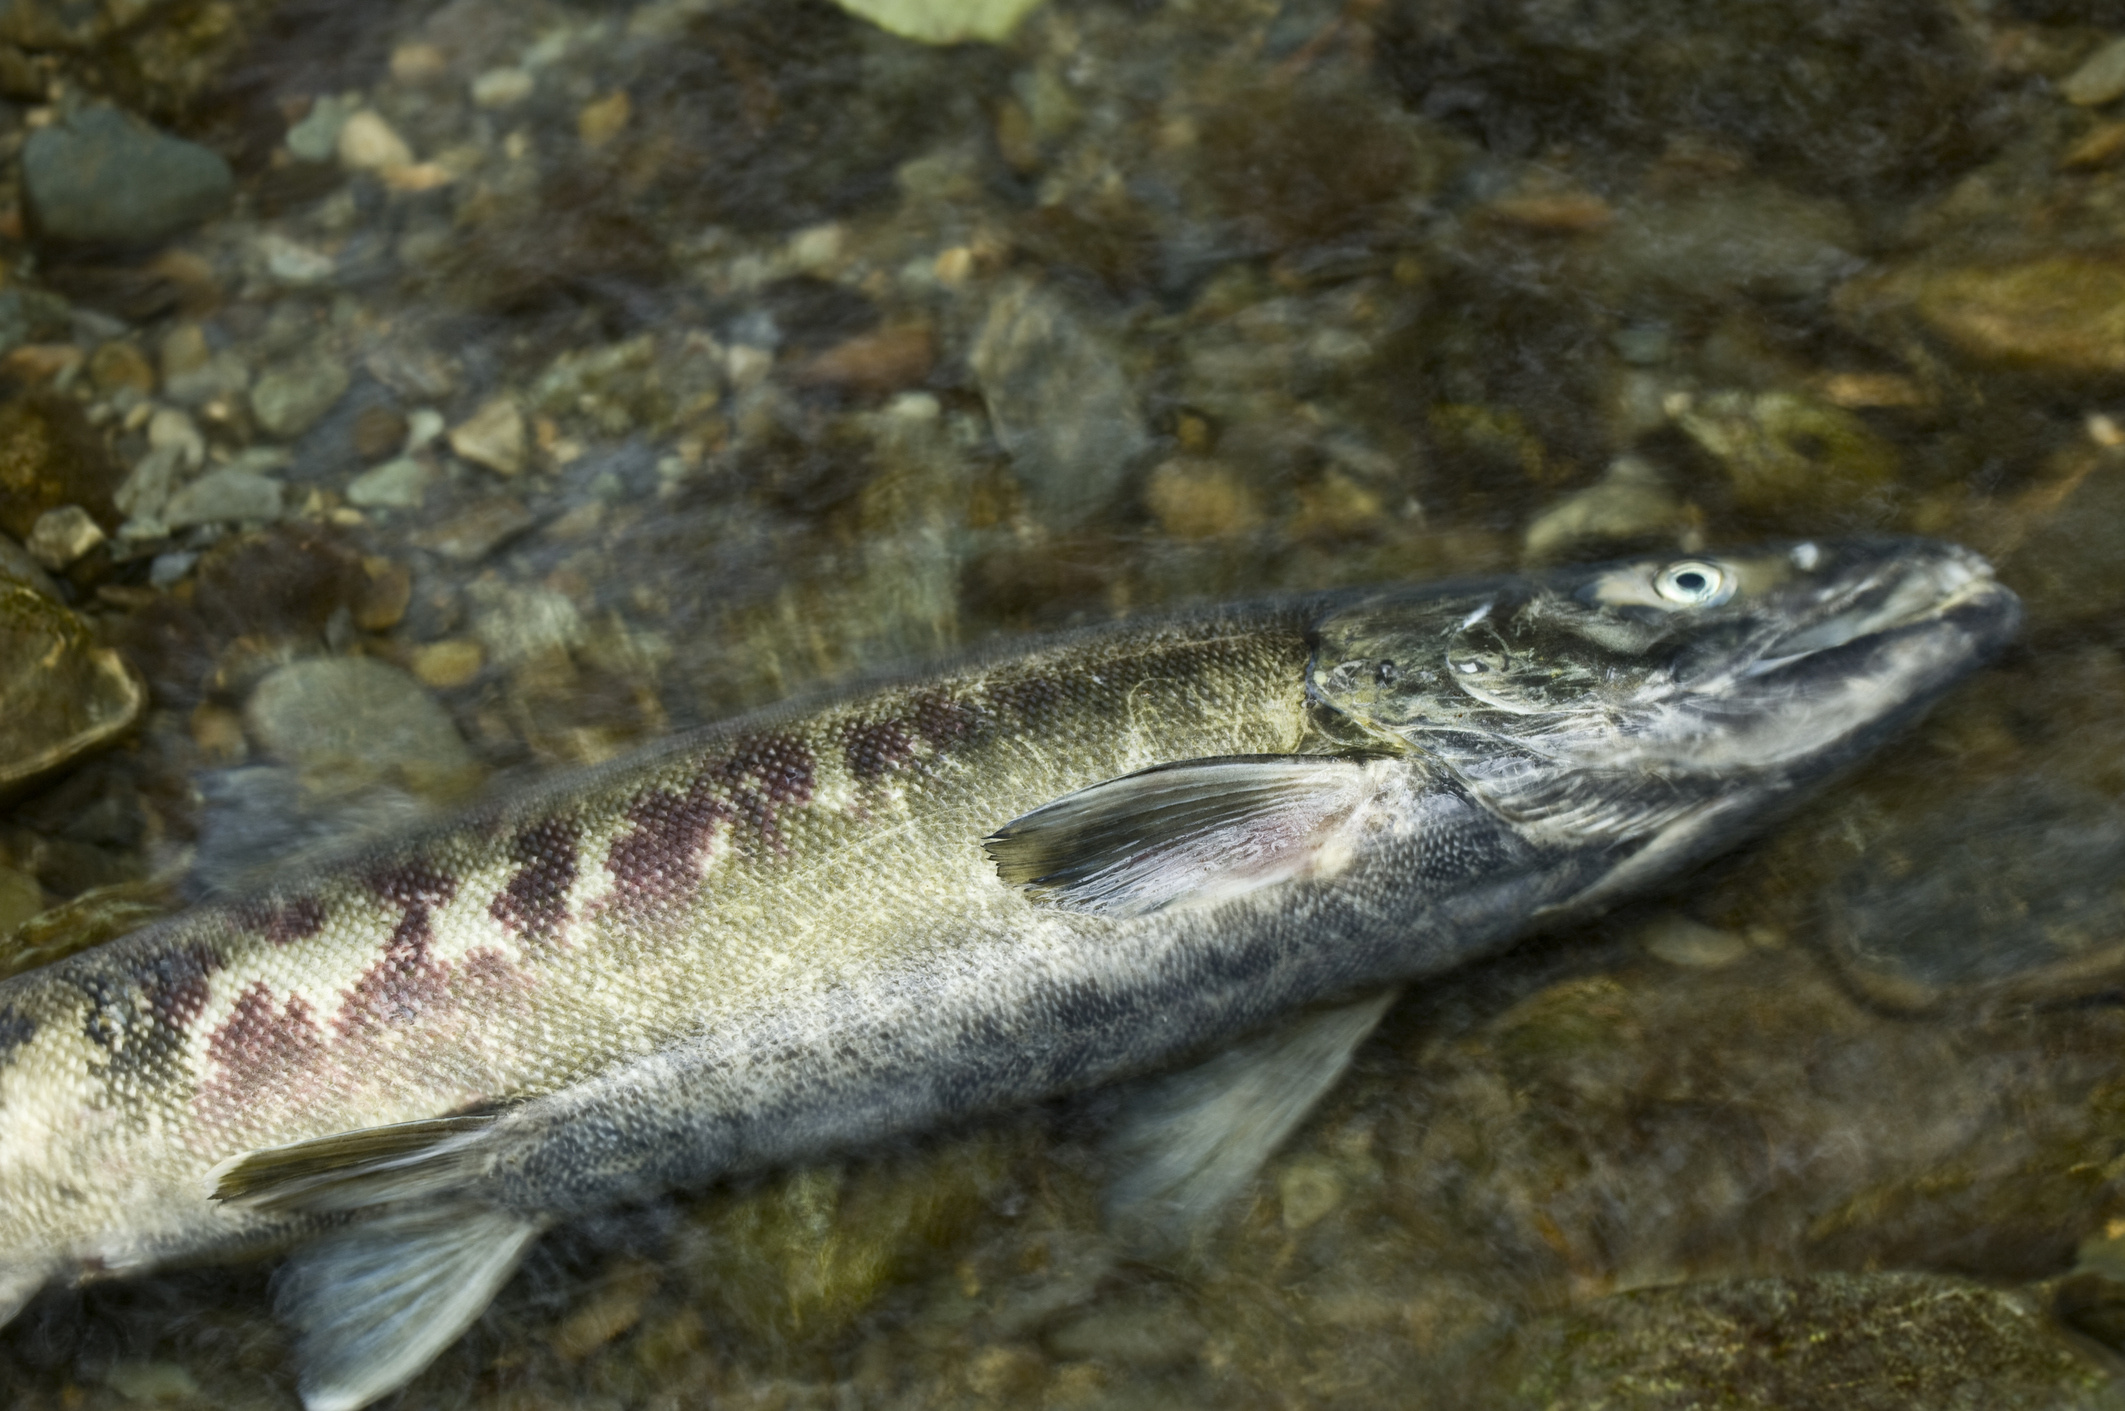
<point>1661,680</point>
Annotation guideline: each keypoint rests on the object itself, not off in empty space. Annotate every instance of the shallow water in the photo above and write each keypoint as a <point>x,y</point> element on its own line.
<point>603,369</point>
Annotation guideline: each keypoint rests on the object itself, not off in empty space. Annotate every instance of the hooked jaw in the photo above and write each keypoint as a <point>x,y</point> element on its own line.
<point>1902,631</point>
<point>1938,590</point>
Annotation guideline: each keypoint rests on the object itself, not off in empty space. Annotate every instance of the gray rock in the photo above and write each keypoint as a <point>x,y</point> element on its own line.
<point>146,491</point>
<point>1059,400</point>
<point>63,535</point>
<point>514,622</point>
<point>18,564</point>
<point>290,400</point>
<point>1749,236</point>
<point>357,719</point>
<point>221,375</point>
<point>32,316</point>
<point>2018,895</point>
<point>397,484</point>
<point>316,137</point>
<point>101,176</point>
<point>224,496</point>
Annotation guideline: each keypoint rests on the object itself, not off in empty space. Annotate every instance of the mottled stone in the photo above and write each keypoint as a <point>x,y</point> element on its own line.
<point>101,176</point>
<point>60,694</point>
<point>50,457</point>
<point>1201,499</point>
<point>386,592</point>
<point>359,718</point>
<point>378,431</point>
<point>30,316</point>
<point>1861,1342</point>
<point>120,364</point>
<point>1059,400</point>
<point>1785,451</point>
<point>472,531</point>
<point>492,436</point>
<point>63,535</point>
<point>366,142</point>
<point>290,400</point>
<point>1631,501</point>
<point>316,137</point>
<point>447,664</point>
<point>2061,314</point>
<point>223,497</point>
<point>400,483</point>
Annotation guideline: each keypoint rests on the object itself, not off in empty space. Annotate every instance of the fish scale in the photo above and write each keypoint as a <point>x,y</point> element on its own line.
<point>919,901</point>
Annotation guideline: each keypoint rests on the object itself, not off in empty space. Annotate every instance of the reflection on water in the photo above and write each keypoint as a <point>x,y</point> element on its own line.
<point>422,395</point>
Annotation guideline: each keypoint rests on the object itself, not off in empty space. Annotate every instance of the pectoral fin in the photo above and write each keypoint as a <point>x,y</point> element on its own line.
<point>1198,831</point>
<point>1191,1140</point>
<point>349,1170</point>
<point>374,1302</point>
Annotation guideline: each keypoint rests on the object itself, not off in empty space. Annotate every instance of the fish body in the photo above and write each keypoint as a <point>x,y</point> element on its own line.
<point>1040,871</point>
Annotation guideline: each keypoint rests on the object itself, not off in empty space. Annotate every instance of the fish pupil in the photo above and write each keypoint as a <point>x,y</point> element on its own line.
<point>1385,673</point>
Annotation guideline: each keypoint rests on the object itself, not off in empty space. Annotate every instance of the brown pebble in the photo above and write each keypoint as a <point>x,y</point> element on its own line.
<point>417,64</point>
<point>1872,389</point>
<point>477,529</point>
<point>218,732</point>
<point>1337,507</point>
<point>1553,213</point>
<point>33,363</point>
<point>601,120</point>
<point>2101,146</point>
<point>450,663</point>
<point>1200,499</point>
<point>493,436</point>
<point>184,349</point>
<point>610,1312</point>
<point>121,364</point>
<point>885,361</point>
<point>379,431</point>
<point>386,589</point>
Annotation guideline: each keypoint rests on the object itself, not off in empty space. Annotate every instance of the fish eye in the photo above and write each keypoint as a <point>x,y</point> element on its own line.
<point>1694,583</point>
<point>1385,673</point>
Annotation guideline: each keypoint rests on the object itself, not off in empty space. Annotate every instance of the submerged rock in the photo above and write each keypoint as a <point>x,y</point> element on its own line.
<point>1059,400</point>
<point>1860,1342</point>
<point>50,457</point>
<point>101,176</point>
<point>2057,314</point>
<point>61,695</point>
<point>356,719</point>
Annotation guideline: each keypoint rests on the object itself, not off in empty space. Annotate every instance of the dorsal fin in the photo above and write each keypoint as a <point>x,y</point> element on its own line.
<point>348,1170</point>
<point>1197,831</point>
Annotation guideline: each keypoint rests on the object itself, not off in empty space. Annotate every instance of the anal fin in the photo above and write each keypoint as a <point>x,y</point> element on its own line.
<point>1191,1140</point>
<point>1196,831</point>
<point>373,1302</point>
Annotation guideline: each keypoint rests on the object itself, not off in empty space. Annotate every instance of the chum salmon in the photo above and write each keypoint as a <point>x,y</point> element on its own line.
<point>1108,854</point>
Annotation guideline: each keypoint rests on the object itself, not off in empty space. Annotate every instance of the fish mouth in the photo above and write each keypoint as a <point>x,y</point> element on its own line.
<point>1945,588</point>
